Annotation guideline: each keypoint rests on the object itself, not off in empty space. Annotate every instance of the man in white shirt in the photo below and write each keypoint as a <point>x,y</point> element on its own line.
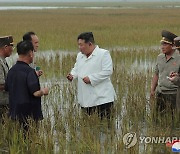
<point>32,37</point>
<point>93,69</point>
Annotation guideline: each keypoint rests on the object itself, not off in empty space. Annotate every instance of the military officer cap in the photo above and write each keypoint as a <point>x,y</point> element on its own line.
<point>167,37</point>
<point>6,40</point>
<point>177,42</point>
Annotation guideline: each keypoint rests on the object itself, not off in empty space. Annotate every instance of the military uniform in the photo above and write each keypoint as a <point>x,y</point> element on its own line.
<point>177,79</point>
<point>166,90</point>
<point>177,82</point>
<point>3,74</point>
<point>4,41</point>
<point>177,42</point>
<point>163,69</point>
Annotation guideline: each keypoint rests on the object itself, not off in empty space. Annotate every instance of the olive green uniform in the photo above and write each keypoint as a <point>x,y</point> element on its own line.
<point>177,79</point>
<point>3,94</point>
<point>163,69</point>
<point>166,90</point>
<point>4,42</point>
<point>3,74</point>
<point>177,82</point>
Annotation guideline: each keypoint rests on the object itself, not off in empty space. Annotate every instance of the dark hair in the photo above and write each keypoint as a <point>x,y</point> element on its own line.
<point>87,36</point>
<point>24,47</point>
<point>27,36</point>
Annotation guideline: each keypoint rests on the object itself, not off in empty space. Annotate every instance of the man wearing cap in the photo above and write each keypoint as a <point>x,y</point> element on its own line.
<point>6,48</point>
<point>177,43</point>
<point>32,37</point>
<point>175,77</point>
<point>168,61</point>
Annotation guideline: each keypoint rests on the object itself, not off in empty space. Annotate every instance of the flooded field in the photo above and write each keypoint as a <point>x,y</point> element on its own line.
<point>132,36</point>
<point>66,130</point>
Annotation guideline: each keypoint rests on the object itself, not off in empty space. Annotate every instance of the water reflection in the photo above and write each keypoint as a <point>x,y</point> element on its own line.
<point>75,7</point>
<point>53,7</point>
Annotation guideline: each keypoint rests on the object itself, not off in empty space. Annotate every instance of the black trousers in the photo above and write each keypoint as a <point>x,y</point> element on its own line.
<point>166,103</point>
<point>104,110</point>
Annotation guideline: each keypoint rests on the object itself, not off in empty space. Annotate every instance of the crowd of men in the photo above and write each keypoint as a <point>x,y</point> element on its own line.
<point>20,91</point>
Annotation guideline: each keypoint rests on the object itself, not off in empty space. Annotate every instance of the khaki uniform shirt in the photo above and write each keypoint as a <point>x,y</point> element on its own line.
<point>3,74</point>
<point>163,69</point>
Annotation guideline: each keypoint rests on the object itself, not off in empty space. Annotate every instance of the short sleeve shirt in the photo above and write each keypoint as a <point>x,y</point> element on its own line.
<point>163,69</point>
<point>21,83</point>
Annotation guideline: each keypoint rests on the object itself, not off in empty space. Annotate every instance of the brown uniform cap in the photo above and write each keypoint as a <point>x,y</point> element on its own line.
<point>177,42</point>
<point>167,37</point>
<point>6,40</point>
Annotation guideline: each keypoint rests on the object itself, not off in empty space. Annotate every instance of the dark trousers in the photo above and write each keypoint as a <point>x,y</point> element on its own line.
<point>166,103</point>
<point>3,110</point>
<point>104,110</point>
<point>27,122</point>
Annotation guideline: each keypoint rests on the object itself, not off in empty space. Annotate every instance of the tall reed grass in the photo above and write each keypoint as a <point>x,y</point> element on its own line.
<point>58,29</point>
<point>65,129</point>
<point>130,35</point>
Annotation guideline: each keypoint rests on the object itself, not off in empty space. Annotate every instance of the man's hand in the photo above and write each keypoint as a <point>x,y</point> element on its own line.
<point>69,77</point>
<point>152,94</point>
<point>172,76</point>
<point>154,84</point>
<point>41,92</point>
<point>87,80</point>
<point>45,91</point>
<point>39,73</point>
